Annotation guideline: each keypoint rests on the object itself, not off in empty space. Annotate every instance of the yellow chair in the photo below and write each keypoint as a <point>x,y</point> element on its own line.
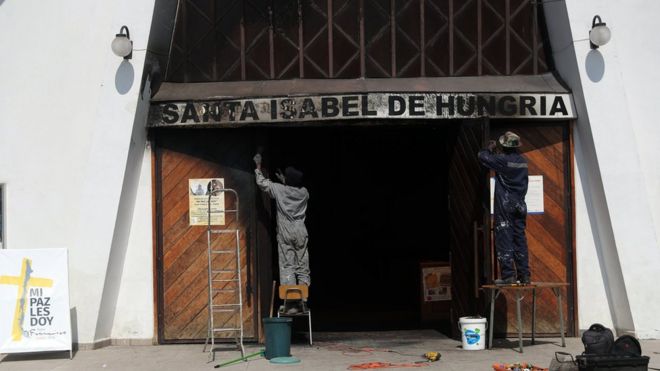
<point>299,294</point>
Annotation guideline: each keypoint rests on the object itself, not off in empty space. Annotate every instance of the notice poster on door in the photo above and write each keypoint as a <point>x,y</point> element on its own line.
<point>437,283</point>
<point>533,199</point>
<point>198,198</point>
<point>34,301</point>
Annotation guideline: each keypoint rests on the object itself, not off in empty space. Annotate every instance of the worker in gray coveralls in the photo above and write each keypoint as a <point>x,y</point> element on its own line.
<point>511,179</point>
<point>291,200</point>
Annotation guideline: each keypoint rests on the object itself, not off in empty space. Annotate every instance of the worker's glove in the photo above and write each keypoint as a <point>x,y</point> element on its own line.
<point>491,145</point>
<point>257,159</point>
<point>280,176</point>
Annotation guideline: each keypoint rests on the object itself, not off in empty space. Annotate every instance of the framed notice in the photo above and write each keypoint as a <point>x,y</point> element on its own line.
<point>436,283</point>
<point>198,197</point>
<point>533,199</point>
<point>34,301</point>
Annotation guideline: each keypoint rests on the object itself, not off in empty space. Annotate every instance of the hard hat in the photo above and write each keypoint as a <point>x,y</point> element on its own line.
<point>510,140</point>
<point>293,176</point>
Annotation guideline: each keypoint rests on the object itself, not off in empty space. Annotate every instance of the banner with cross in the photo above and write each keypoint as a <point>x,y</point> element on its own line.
<point>34,301</point>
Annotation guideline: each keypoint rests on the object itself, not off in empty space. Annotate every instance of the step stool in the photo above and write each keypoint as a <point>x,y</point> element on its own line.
<point>296,294</point>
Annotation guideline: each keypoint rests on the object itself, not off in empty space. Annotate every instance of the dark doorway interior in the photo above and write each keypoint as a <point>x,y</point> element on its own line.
<point>378,207</point>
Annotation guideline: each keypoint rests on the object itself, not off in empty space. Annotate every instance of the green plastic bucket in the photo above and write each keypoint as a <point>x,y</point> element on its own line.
<point>278,337</point>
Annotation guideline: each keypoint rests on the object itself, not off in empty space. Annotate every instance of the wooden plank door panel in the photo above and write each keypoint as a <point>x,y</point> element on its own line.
<point>182,249</point>
<point>549,236</point>
<point>466,184</point>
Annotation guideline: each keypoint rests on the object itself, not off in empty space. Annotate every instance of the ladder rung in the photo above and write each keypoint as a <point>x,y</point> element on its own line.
<point>223,289</point>
<point>224,271</point>
<point>223,230</point>
<point>226,305</point>
<point>223,251</point>
<point>231,280</point>
<point>226,329</point>
<point>225,310</point>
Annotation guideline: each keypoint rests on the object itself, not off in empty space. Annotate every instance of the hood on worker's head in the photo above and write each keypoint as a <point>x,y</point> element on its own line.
<point>293,177</point>
<point>510,140</point>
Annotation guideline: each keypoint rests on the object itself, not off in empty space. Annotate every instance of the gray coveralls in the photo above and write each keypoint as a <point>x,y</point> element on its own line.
<point>291,231</point>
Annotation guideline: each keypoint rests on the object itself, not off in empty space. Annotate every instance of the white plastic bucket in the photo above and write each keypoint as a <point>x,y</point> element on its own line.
<point>473,332</point>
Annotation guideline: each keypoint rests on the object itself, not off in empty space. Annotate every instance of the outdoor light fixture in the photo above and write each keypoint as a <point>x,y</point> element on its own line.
<point>599,34</point>
<point>122,45</point>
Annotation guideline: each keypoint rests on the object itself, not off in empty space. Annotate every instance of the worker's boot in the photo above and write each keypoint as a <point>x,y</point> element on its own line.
<point>292,308</point>
<point>506,281</point>
<point>525,280</point>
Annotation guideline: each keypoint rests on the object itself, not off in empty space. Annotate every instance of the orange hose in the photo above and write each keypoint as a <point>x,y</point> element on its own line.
<point>372,365</point>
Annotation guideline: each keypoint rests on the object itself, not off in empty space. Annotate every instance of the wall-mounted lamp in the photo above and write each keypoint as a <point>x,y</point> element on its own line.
<point>122,45</point>
<point>599,34</point>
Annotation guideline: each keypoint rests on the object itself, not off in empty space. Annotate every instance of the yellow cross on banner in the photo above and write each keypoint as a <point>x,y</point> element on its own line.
<point>23,282</point>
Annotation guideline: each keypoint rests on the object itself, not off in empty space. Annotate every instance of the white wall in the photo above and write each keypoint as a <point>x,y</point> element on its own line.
<point>67,131</point>
<point>134,309</point>
<point>616,134</point>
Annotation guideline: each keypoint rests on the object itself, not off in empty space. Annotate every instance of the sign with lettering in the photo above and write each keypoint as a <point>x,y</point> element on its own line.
<point>361,107</point>
<point>198,200</point>
<point>34,301</point>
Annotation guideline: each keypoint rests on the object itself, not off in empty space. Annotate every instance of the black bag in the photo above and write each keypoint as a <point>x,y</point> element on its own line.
<point>626,345</point>
<point>598,340</point>
<point>604,362</point>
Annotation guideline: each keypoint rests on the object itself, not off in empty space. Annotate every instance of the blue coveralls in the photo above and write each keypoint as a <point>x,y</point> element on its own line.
<point>511,178</point>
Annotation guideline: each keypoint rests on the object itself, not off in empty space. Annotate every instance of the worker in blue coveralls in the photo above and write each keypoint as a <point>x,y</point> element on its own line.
<point>511,178</point>
<point>291,202</point>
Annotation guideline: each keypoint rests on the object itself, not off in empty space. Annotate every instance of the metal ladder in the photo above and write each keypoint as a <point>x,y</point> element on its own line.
<point>224,279</point>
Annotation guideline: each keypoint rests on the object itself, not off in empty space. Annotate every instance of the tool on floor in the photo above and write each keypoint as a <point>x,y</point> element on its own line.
<point>224,271</point>
<point>432,356</point>
<point>259,353</point>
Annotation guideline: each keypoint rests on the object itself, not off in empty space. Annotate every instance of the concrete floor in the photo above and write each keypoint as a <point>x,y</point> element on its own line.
<point>331,351</point>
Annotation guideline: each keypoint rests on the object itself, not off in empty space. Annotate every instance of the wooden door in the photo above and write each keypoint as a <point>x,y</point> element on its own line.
<point>181,248</point>
<point>467,196</point>
<point>549,235</point>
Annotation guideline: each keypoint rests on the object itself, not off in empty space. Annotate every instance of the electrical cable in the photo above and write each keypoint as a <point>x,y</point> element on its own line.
<point>349,350</point>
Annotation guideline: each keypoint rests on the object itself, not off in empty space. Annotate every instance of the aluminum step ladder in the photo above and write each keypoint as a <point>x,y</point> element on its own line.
<point>224,273</point>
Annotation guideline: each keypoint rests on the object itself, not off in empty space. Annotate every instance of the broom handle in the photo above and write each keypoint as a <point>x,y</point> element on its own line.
<point>261,352</point>
<point>272,299</point>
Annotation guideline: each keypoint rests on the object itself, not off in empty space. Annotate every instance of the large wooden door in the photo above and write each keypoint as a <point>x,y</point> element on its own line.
<point>182,248</point>
<point>549,235</point>
<point>467,215</point>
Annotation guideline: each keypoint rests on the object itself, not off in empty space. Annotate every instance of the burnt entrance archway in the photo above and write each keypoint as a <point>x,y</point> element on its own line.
<point>365,265</point>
